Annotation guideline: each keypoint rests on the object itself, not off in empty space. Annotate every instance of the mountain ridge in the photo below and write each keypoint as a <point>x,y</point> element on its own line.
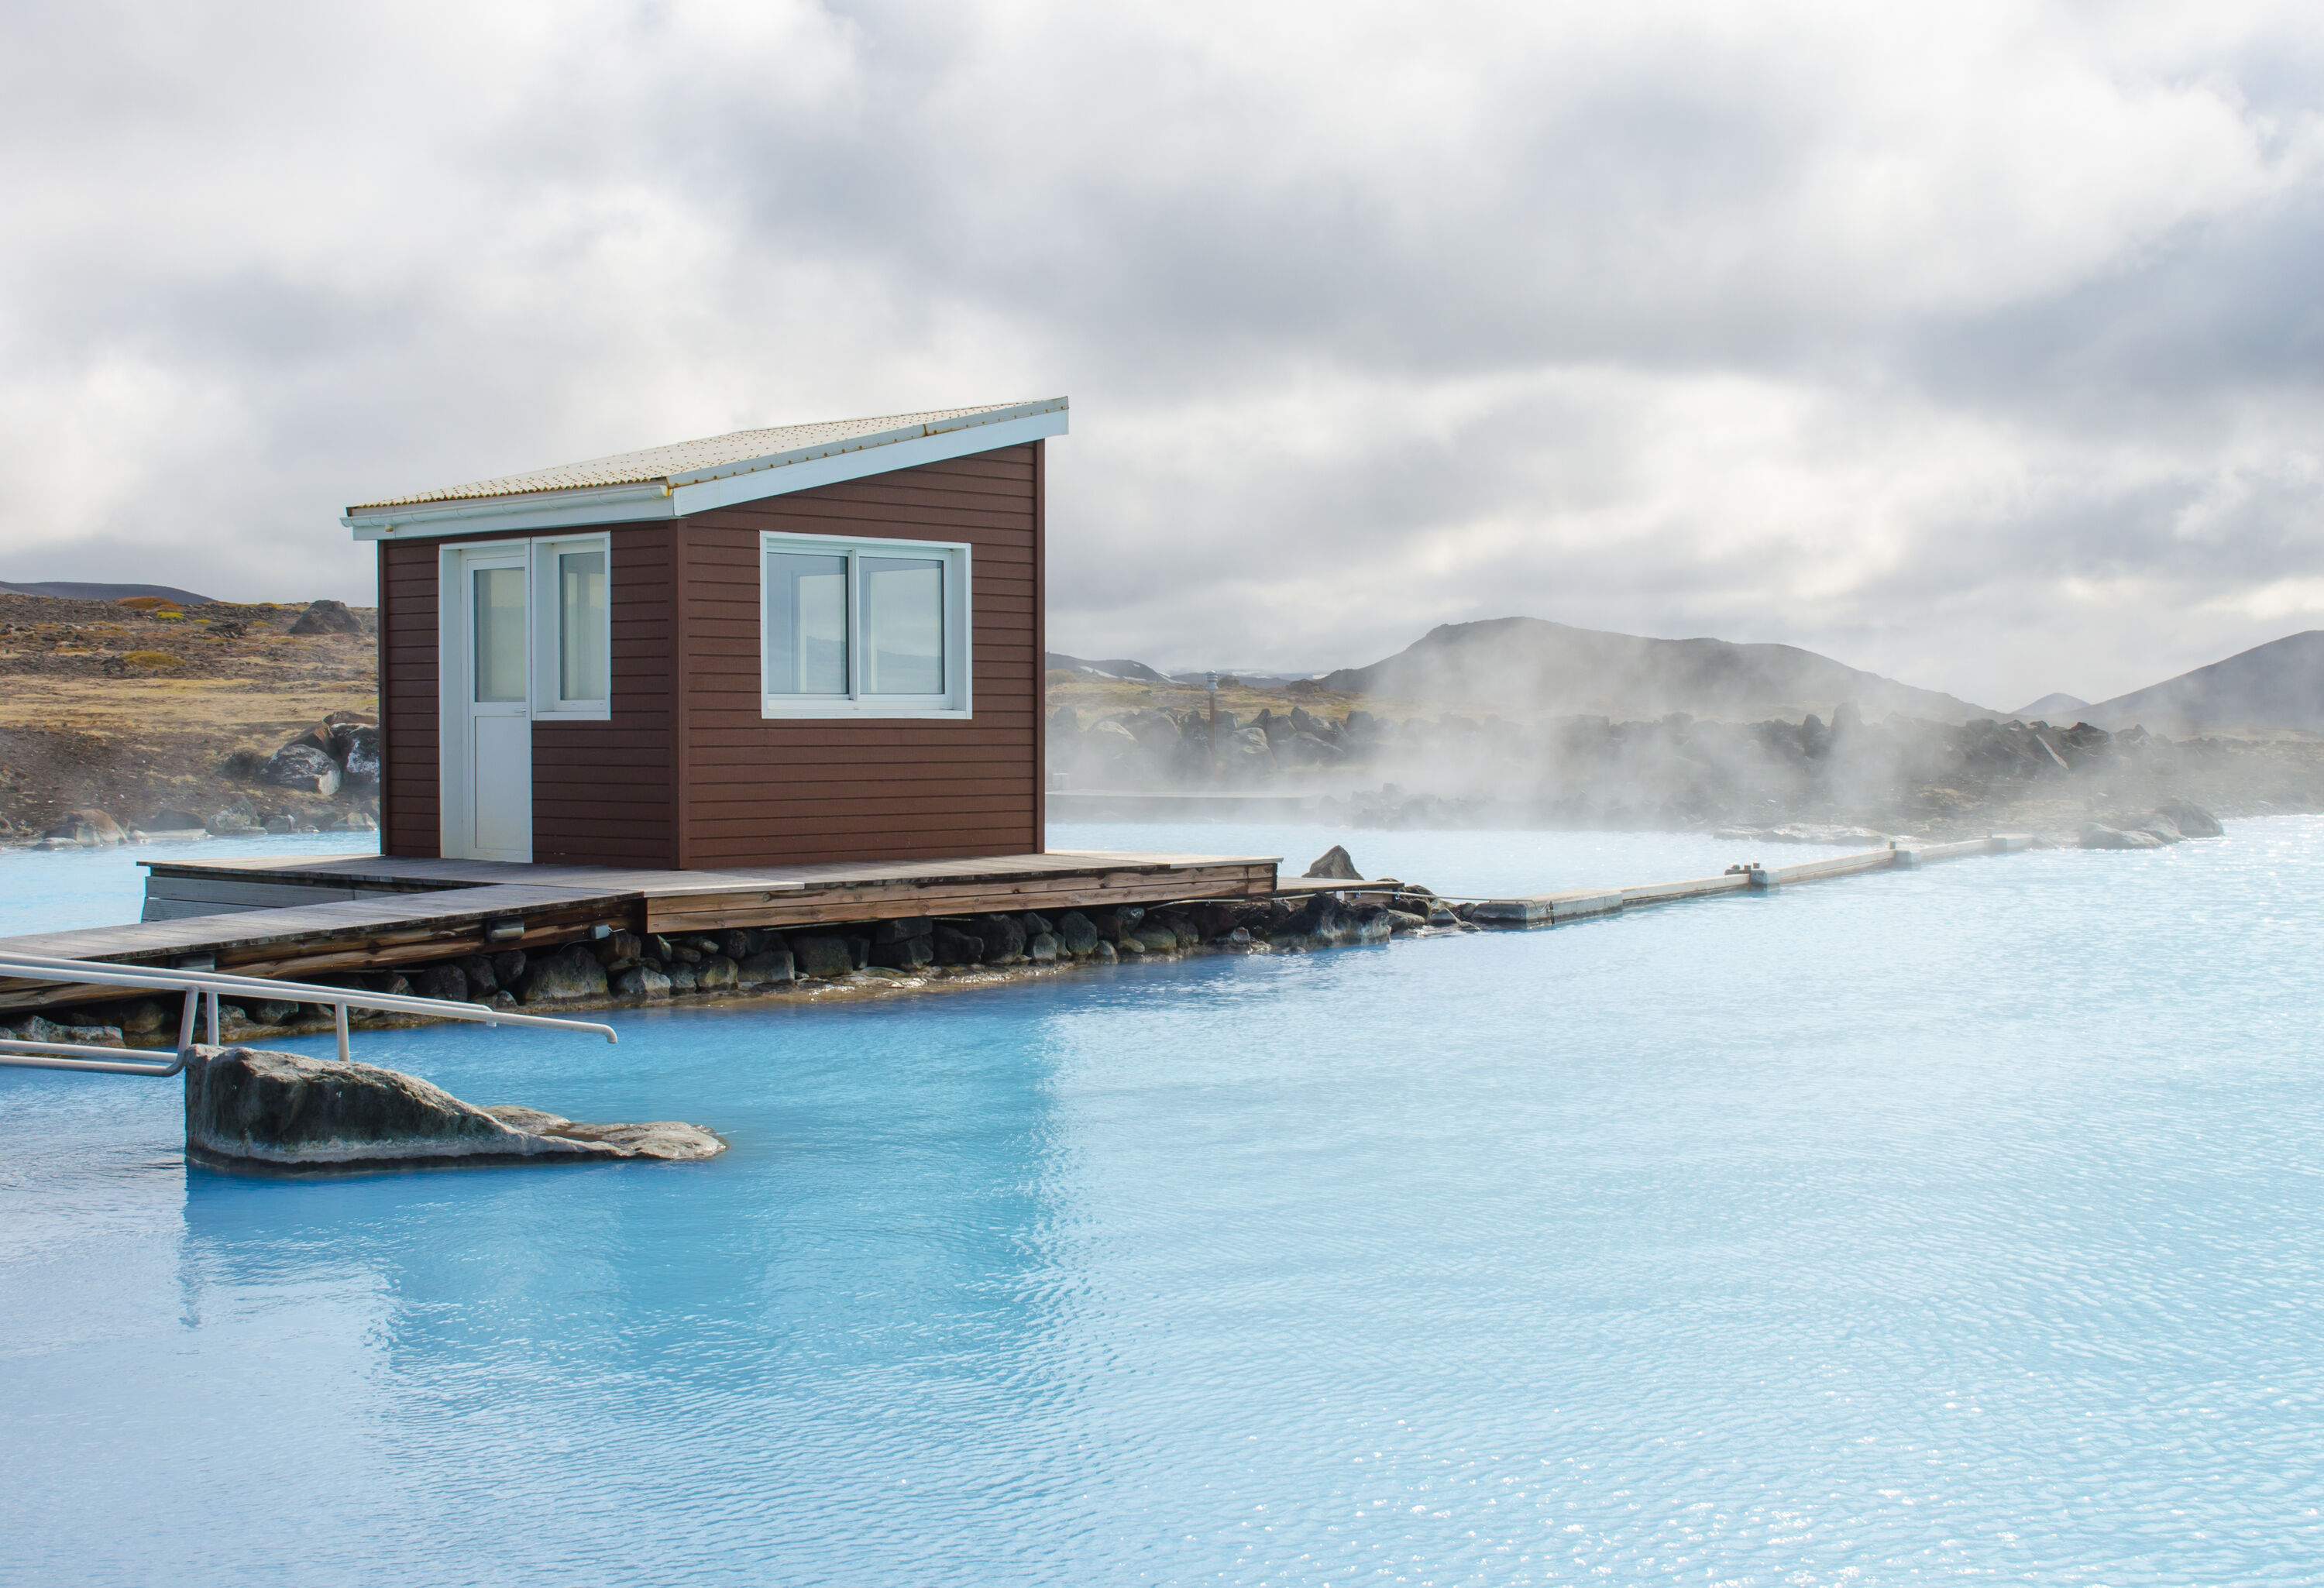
<point>2058,703</point>
<point>83,590</point>
<point>2277,685</point>
<point>1556,669</point>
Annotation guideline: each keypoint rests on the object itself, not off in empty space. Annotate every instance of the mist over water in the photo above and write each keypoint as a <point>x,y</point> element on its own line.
<point>1962,1223</point>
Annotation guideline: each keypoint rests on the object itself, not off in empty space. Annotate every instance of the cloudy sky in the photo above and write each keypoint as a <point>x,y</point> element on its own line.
<point>1981,347</point>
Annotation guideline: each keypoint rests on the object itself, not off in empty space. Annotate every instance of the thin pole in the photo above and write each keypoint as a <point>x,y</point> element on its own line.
<point>339,1017</point>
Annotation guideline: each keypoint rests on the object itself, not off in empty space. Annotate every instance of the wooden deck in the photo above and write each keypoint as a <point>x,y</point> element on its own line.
<point>291,918</point>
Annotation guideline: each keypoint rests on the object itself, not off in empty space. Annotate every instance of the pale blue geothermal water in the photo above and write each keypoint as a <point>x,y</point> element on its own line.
<point>1962,1224</point>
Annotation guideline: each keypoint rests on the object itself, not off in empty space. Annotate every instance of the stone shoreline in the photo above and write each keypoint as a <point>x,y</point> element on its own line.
<point>746,966</point>
<point>620,969</point>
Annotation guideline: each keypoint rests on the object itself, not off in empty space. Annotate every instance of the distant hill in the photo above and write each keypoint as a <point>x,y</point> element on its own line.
<point>1057,661</point>
<point>2270,687</point>
<point>1529,666</point>
<point>74,590</point>
<point>2051,708</point>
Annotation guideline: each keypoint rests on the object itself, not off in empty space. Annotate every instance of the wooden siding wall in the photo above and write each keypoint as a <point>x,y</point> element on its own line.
<point>603,792</point>
<point>761,792</point>
<point>411,804</point>
<point>687,773</point>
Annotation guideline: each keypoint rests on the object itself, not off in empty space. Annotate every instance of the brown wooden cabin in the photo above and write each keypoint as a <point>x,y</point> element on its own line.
<point>815,642</point>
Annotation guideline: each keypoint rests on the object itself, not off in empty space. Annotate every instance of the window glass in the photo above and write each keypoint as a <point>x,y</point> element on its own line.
<point>903,625</point>
<point>807,624</point>
<point>582,664</point>
<point>499,633</point>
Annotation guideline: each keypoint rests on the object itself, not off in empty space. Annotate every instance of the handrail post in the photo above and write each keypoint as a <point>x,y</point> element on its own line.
<point>202,990</point>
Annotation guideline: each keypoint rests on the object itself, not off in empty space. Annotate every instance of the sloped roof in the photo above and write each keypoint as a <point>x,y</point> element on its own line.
<point>715,458</point>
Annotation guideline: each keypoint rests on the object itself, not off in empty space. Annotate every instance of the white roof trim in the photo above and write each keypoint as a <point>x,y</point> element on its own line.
<point>699,490</point>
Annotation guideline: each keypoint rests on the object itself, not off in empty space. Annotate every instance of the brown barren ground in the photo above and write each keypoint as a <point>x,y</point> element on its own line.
<point>132,709</point>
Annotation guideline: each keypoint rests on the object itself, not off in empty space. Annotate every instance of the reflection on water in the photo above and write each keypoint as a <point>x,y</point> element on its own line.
<point>62,890</point>
<point>1962,1222</point>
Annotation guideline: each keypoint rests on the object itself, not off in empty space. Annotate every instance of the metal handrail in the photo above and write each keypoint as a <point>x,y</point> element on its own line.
<point>201,990</point>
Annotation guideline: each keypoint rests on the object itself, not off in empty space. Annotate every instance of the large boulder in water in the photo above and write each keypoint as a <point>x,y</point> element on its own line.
<point>2098,835</point>
<point>90,829</point>
<point>1336,864</point>
<point>2191,820</point>
<point>249,1106</point>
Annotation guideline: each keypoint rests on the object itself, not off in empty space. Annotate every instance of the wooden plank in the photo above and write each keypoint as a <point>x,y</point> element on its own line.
<point>670,913</point>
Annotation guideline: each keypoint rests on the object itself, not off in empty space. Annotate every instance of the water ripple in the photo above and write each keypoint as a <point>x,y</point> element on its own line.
<point>1967,1223</point>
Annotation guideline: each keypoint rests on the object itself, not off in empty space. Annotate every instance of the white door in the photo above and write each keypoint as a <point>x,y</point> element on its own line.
<point>488,811</point>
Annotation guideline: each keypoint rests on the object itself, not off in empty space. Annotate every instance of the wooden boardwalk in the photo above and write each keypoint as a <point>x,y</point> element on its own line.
<point>290,919</point>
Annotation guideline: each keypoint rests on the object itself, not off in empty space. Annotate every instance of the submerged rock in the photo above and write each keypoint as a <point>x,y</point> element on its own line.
<point>286,1110</point>
<point>2191,820</point>
<point>89,829</point>
<point>2098,835</point>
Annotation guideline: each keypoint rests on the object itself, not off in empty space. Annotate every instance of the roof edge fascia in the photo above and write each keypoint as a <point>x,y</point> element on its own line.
<point>699,491</point>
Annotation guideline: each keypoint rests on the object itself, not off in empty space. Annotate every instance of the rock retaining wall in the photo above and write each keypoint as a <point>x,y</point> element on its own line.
<point>625,970</point>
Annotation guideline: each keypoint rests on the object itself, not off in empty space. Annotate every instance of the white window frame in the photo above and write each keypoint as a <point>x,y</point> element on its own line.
<point>549,636</point>
<point>954,704</point>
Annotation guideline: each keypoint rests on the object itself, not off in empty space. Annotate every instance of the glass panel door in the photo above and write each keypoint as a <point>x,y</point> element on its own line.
<point>498,630</point>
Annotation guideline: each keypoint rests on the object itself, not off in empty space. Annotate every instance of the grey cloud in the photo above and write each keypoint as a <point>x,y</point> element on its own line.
<point>1851,330</point>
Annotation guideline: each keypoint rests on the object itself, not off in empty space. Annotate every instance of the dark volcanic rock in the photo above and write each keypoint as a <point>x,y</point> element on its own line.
<point>905,953</point>
<point>618,950</point>
<point>1113,922</point>
<point>1003,936</point>
<point>287,1111</point>
<point>770,965</point>
<point>642,981</point>
<point>2191,820</point>
<point>2096,835</point>
<point>91,829</point>
<point>956,947</point>
<point>817,955</point>
<point>447,981</point>
<point>241,816</point>
<point>328,617</point>
<point>1076,934</point>
<point>1336,864</point>
<point>571,972</point>
<point>302,766</point>
<point>355,747</point>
